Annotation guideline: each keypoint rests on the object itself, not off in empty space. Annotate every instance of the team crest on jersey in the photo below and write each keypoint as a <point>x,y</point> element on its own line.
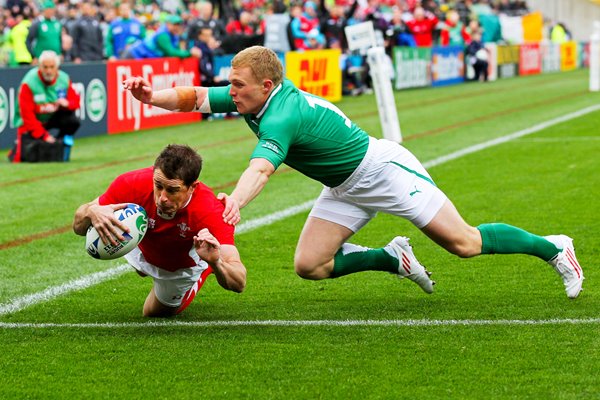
<point>151,223</point>
<point>183,228</point>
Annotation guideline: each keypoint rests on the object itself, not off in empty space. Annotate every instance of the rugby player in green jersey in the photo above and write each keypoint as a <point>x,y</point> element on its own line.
<point>361,176</point>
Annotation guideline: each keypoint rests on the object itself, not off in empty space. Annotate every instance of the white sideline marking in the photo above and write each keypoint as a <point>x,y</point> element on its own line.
<point>89,280</point>
<point>326,322</point>
<point>54,291</point>
<point>509,137</point>
<point>271,218</point>
<point>561,139</point>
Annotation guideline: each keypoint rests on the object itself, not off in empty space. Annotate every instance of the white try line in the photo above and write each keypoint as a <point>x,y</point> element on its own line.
<point>292,323</point>
<point>86,281</point>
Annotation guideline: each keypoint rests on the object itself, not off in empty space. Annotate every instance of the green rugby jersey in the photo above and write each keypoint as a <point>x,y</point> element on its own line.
<point>304,131</point>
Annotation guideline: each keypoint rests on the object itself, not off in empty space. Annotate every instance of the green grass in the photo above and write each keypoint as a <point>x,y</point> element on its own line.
<point>546,183</point>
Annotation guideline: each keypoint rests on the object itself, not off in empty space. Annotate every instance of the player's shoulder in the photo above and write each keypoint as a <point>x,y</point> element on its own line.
<point>205,208</point>
<point>284,107</point>
<point>204,199</point>
<point>137,176</point>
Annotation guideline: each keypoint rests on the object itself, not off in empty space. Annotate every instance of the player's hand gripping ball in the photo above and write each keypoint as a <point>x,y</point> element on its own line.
<point>135,218</point>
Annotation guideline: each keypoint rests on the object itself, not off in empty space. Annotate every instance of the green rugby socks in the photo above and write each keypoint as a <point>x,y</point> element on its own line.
<point>352,258</point>
<point>507,239</point>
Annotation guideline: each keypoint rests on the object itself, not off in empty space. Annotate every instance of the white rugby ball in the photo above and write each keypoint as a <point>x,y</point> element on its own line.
<point>135,218</point>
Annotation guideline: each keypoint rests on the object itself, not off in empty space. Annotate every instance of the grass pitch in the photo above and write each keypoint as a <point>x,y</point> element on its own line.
<point>496,326</point>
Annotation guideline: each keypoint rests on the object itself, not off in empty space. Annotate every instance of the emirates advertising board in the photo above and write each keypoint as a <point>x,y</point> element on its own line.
<point>125,113</point>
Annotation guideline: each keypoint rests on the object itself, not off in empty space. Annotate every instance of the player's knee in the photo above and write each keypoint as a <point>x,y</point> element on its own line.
<point>460,249</point>
<point>305,268</point>
<point>465,247</point>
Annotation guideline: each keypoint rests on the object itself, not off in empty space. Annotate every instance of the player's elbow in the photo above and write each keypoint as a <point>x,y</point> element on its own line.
<point>237,283</point>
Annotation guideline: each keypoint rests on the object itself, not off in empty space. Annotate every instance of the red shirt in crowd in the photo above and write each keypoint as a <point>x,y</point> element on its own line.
<point>422,30</point>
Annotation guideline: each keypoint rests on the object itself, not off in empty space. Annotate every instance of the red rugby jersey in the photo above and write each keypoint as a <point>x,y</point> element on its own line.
<point>168,243</point>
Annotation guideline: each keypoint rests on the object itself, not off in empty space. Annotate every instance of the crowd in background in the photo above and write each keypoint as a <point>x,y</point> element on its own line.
<point>84,30</point>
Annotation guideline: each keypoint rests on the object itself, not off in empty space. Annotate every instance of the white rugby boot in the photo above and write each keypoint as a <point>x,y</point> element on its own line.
<point>408,266</point>
<point>566,265</point>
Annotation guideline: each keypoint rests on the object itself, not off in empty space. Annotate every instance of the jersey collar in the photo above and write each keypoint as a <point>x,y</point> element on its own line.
<point>264,108</point>
<point>171,216</point>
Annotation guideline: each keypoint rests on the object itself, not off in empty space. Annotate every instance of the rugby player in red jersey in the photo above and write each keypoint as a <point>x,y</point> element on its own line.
<point>187,238</point>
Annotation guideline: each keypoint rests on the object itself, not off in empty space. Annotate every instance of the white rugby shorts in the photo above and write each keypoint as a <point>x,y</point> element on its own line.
<point>389,179</point>
<point>169,287</point>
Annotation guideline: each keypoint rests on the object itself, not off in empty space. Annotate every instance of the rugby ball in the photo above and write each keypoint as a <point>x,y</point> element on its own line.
<point>135,218</point>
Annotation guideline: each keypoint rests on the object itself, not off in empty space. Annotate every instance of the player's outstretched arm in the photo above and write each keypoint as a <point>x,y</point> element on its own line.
<point>102,218</point>
<point>250,184</point>
<point>179,98</point>
<point>224,260</point>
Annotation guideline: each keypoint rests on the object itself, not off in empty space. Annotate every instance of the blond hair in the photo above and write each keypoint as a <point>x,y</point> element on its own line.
<point>263,63</point>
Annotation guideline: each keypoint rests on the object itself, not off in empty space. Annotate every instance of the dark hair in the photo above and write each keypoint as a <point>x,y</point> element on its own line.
<point>179,161</point>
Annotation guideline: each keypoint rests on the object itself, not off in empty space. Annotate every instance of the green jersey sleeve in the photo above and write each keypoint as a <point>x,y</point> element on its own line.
<point>274,140</point>
<point>220,100</point>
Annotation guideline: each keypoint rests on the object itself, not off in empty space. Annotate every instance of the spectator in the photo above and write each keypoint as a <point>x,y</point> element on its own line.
<point>207,44</point>
<point>87,36</point>
<point>241,26</point>
<point>69,21</point>
<point>560,33</point>
<point>477,56</point>
<point>18,38</point>
<point>205,19</point>
<point>333,22</point>
<point>454,32</point>
<point>124,30</point>
<point>45,33</point>
<point>315,40</point>
<point>422,26</point>
<point>163,43</point>
<point>46,101</point>
<point>463,8</point>
<point>398,32</point>
<point>489,21</point>
<point>16,7</point>
<point>303,21</point>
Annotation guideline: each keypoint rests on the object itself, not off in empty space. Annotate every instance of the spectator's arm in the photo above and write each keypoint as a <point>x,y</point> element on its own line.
<point>31,37</point>
<point>75,50</point>
<point>296,31</point>
<point>465,35</point>
<point>164,43</point>
<point>27,109</point>
<point>109,49</point>
<point>350,11</point>
<point>73,97</point>
<point>444,37</point>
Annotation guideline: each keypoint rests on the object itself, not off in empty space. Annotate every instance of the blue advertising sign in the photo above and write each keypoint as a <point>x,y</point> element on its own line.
<point>447,65</point>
